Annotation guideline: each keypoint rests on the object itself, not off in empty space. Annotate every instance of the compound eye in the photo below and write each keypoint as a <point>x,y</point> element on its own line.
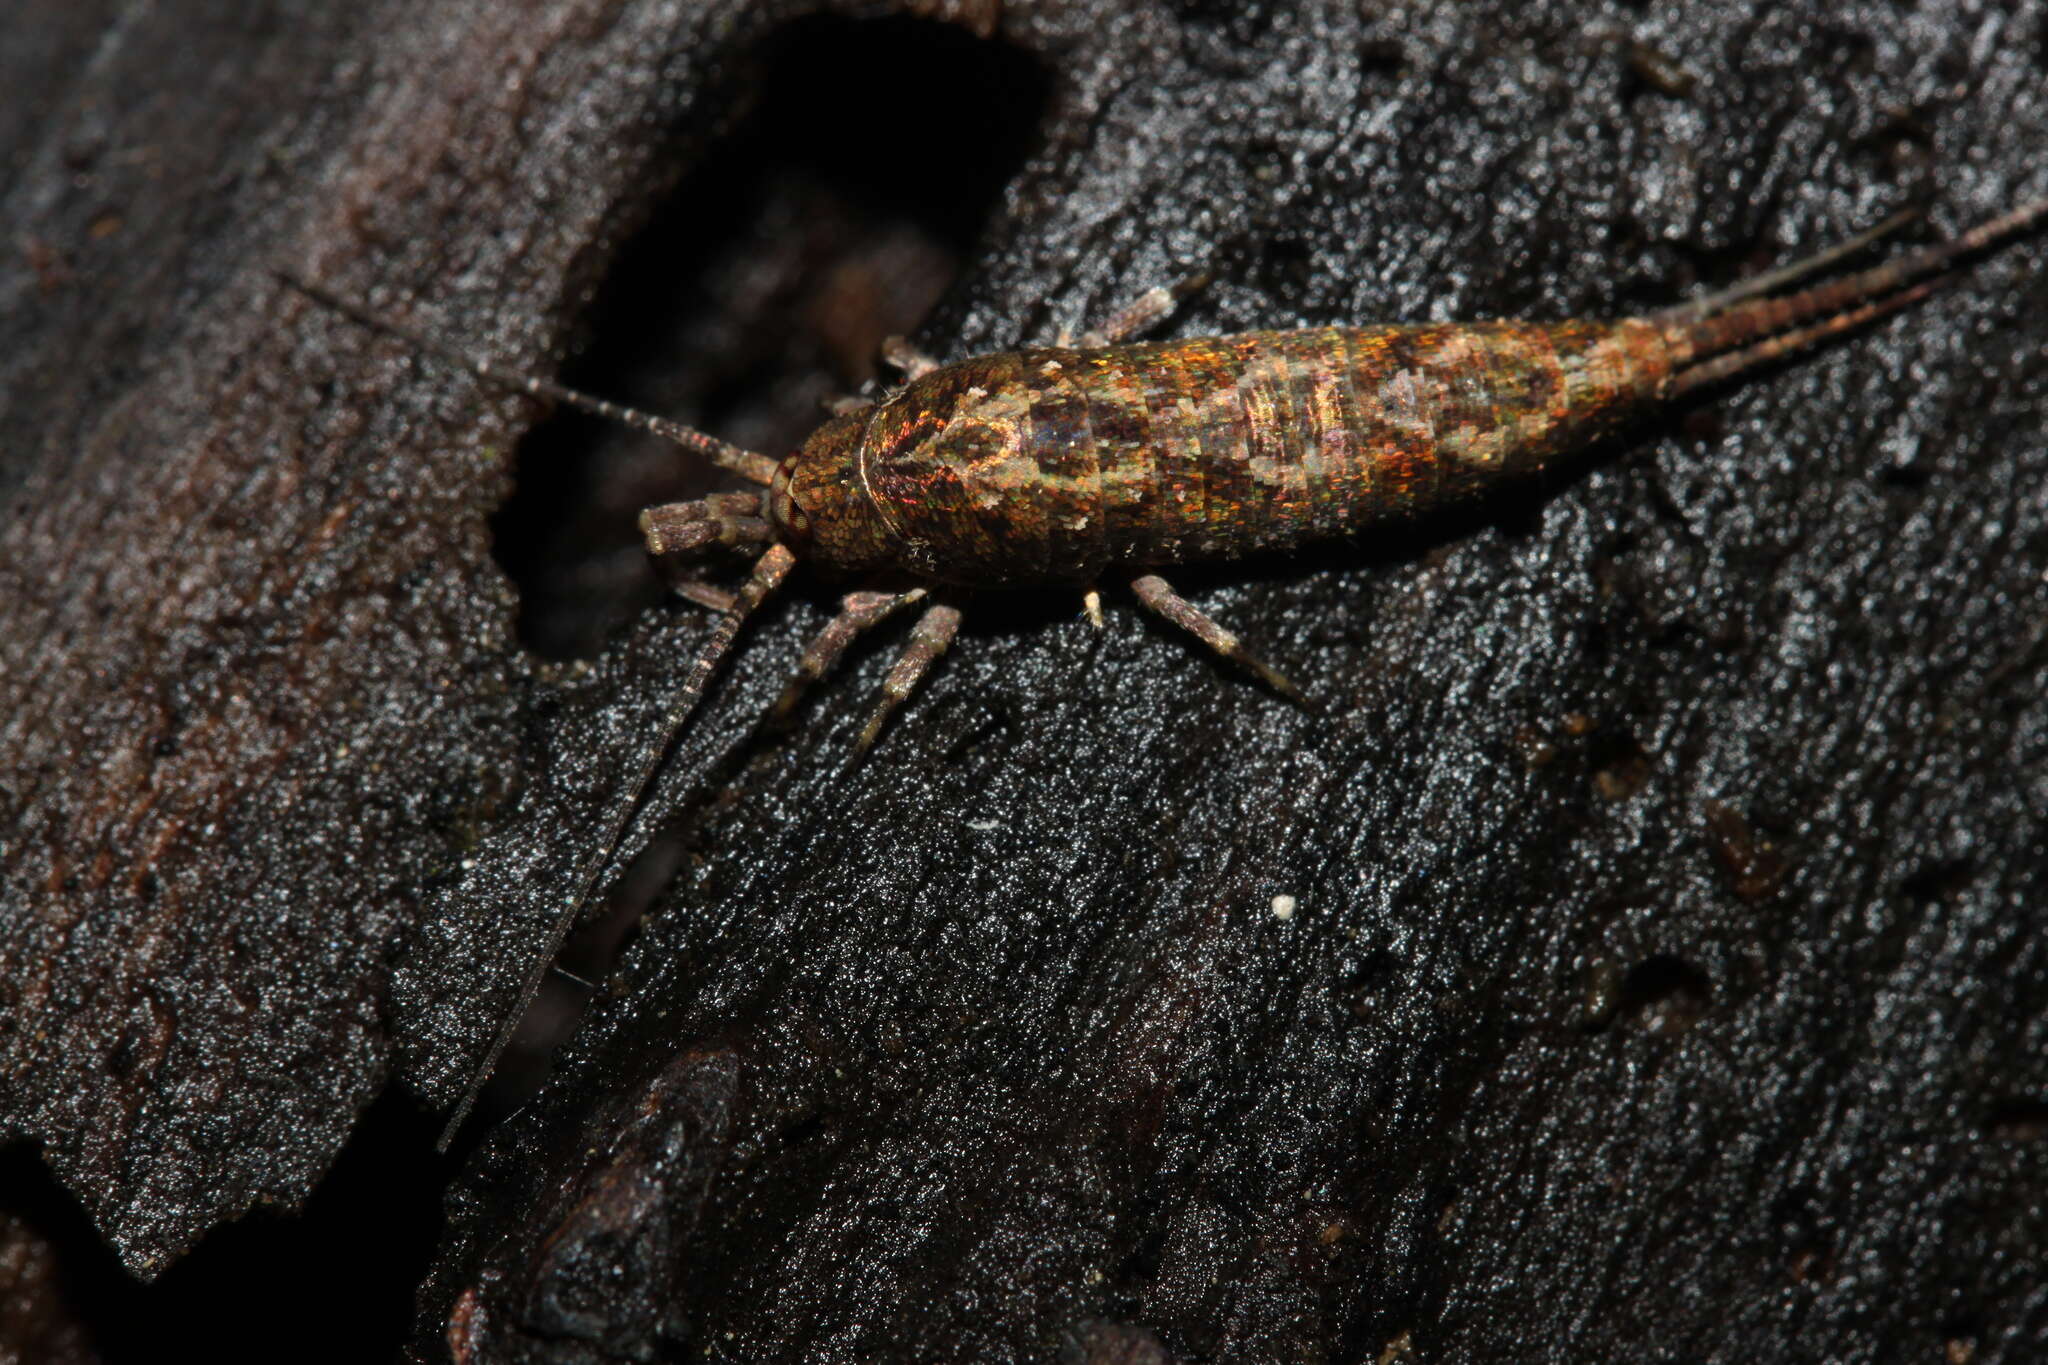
<point>783,508</point>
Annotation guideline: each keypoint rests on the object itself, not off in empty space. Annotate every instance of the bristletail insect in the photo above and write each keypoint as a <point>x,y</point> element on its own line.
<point>1065,465</point>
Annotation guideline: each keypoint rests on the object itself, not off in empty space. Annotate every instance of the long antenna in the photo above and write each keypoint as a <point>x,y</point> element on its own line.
<point>747,464</point>
<point>769,571</point>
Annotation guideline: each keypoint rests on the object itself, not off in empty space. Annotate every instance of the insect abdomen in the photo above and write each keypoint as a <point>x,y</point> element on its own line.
<point>1051,465</point>
<point>1273,439</point>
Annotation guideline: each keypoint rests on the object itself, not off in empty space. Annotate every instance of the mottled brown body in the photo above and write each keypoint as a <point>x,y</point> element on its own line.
<point>1053,465</point>
<point>1064,464</point>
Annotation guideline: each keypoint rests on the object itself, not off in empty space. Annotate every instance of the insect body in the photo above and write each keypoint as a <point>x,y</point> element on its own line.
<point>1057,466</point>
<point>1064,465</point>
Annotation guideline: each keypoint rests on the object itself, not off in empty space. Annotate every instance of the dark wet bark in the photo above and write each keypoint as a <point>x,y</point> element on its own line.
<point>1666,974</point>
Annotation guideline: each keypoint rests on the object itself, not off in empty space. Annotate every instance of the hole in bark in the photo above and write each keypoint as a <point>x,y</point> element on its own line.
<point>1942,880</point>
<point>1244,24</point>
<point>1147,1254</point>
<point>1621,766</point>
<point>1910,478</point>
<point>1283,267</point>
<point>1666,994</point>
<point>2018,1121</point>
<point>762,285</point>
<point>1382,56</point>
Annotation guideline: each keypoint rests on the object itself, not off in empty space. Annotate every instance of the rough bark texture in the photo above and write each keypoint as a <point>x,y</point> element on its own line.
<point>1666,977</point>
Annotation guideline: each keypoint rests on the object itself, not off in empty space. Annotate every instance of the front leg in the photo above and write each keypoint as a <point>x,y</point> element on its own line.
<point>1140,314</point>
<point>859,612</point>
<point>899,355</point>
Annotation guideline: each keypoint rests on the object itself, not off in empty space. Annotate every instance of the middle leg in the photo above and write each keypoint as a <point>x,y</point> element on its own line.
<point>859,612</point>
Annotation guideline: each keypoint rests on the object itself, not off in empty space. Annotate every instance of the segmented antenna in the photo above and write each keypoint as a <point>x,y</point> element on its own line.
<point>769,572</point>
<point>748,464</point>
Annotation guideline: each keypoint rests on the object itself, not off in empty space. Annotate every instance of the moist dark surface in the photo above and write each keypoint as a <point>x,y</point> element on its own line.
<point>1665,977</point>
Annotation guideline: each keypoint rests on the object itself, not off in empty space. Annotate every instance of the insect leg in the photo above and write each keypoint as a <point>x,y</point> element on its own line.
<point>703,594</point>
<point>720,519</point>
<point>716,522</point>
<point>693,589</point>
<point>858,612</point>
<point>898,354</point>
<point>1158,595</point>
<point>1149,308</point>
<point>928,640</point>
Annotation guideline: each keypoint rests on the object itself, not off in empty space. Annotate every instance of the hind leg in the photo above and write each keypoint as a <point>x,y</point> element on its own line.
<point>929,639</point>
<point>1158,595</point>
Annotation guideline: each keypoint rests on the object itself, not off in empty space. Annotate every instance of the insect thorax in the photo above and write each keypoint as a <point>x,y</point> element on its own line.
<point>820,504</point>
